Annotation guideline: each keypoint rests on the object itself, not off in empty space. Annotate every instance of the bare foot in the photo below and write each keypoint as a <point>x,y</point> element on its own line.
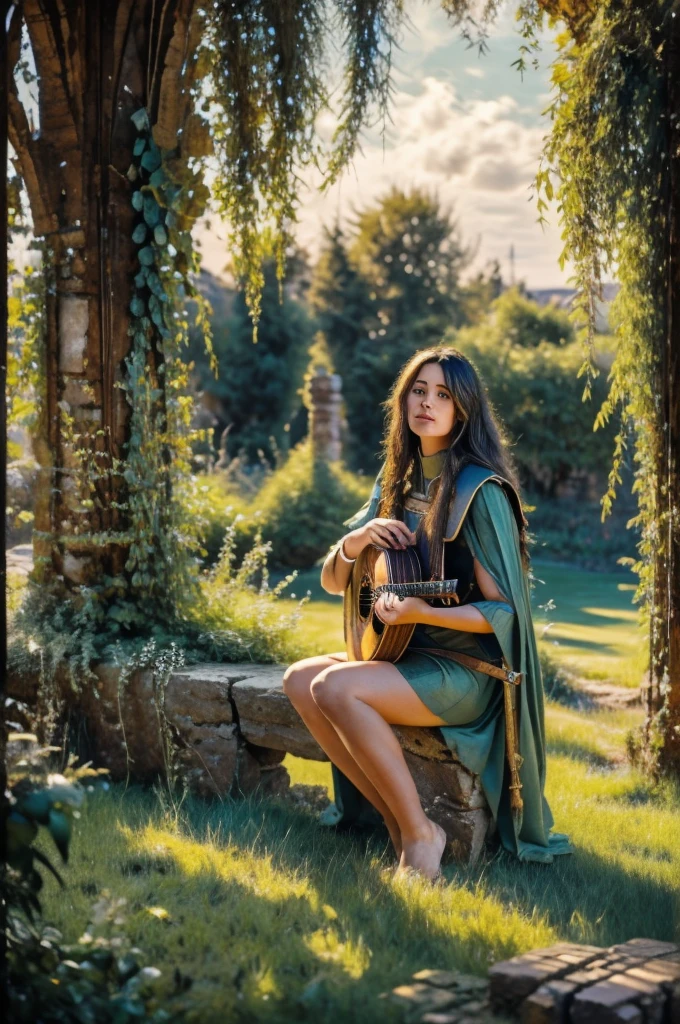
<point>424,853</point>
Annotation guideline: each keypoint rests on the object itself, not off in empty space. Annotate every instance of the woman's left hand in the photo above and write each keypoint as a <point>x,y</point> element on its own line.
<point>394,612</point>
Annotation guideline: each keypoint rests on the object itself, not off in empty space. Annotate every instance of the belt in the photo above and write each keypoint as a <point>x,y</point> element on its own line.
<point>507,675</point>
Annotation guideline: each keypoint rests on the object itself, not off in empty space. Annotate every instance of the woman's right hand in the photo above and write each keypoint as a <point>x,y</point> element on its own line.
<point>385,533</point>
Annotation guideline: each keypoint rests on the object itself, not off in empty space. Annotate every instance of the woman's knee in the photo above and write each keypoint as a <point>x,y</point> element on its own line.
<point>329,689</point>
<point>298,676</point>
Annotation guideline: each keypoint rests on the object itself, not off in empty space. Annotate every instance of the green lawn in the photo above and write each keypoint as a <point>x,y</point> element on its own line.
<point>276,918</point>
<point>592,629</point>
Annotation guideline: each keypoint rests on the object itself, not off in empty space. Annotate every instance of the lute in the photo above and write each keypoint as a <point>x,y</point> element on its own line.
<point>376,571</point>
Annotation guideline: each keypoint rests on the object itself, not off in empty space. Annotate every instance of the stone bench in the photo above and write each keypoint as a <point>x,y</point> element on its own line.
<point>229,727</point>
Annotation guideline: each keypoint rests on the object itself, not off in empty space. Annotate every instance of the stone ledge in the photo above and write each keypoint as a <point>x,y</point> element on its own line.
<point>230,725</point>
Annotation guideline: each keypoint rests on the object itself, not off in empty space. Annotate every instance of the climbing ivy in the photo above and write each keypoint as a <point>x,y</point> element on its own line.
<point>162,558</point>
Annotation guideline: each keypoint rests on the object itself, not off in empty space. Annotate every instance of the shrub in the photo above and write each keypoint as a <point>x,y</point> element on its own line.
<point>97,979</point>
<point>300,508</point>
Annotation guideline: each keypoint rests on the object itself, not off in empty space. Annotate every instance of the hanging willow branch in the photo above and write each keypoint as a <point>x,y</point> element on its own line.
<point>264,61</point>
<point>264,57</point>
<point>370,31</point>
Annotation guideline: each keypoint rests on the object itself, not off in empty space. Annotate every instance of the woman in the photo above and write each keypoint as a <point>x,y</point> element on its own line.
<point>440,431</point>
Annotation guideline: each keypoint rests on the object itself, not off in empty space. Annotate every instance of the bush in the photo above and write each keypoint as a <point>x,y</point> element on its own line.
<point>302,506</point>
<point>538,395</point>
<point>299,509</point>
<point>239,618</point>
<point>97,979</point>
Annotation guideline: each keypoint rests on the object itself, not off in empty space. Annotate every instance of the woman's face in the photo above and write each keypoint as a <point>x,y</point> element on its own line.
<point>430,408</point>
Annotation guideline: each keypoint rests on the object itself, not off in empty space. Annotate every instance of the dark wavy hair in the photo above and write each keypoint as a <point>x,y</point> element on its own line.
<point>479,438</point>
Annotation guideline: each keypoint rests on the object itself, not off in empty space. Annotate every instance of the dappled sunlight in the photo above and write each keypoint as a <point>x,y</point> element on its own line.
<point>616,615</point>
<point>596,737</point>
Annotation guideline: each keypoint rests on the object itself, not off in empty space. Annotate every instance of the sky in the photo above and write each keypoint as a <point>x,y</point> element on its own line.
<point>469,128</point>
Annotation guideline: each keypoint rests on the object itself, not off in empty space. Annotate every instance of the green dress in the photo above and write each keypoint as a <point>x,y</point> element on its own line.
<point>471,702</point>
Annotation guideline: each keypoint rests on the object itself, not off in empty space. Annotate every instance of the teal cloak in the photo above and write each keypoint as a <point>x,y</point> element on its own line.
<point>490,531</point>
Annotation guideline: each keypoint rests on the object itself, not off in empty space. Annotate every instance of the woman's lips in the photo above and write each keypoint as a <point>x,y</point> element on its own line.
<point>430,418</point>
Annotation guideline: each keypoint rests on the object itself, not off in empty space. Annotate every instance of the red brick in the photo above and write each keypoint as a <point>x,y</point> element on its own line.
<point>588,976</point>
<point>645,948</point>
<point>548,1004</point>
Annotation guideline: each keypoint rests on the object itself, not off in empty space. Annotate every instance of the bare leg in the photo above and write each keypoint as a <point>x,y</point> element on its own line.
<point>297,685</point>
<point>362,700</point>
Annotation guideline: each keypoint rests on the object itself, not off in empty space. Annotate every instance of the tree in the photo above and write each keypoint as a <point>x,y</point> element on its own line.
<point>391,287</point>
<point>615,147</point>
<point>614,151</point>
<point>255,392</point>
<point>534,387</point>
<point>523,322</point>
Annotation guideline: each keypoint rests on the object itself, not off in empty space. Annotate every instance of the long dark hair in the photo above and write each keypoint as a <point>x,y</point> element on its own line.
<point>480,437</point>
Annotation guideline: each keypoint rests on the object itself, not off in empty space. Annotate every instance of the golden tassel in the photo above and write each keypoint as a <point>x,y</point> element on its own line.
<point>515,760</point>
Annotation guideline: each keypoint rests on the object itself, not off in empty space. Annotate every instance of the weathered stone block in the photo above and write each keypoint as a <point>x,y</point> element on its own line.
<point>441,979</point>
<point>419,999</point>
<point>268,719</point>
<point>511,981</point>
<point>425,742</point>
<point>209,757</point>
<point>274,781</point>
<point>597,1003</point>
<point>200,693</point>
<point>73,326</point>
<point>548,1004</point>
<point>644,948</point>
<point>266,757</point>
<point>447,781</point>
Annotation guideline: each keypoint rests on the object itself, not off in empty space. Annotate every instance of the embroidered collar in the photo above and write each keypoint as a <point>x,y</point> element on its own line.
<point>431,465</point>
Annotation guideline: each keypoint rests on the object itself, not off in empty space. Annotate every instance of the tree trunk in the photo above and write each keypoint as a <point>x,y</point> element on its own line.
<point>97,62</point>
<point>664,691</point>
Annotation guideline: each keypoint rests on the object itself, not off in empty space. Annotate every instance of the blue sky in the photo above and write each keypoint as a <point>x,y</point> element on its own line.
<point>470,128</point>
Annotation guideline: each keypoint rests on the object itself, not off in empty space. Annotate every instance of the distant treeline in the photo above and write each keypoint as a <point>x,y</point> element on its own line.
<point>389,285</point>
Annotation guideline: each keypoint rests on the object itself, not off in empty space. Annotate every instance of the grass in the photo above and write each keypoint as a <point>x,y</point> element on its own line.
<point>275,917</point>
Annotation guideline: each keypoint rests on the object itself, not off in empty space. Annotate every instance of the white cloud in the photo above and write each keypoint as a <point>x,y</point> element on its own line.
<point>475,72</point>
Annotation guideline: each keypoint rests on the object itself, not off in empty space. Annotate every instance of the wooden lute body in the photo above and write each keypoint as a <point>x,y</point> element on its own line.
<point>375,571</point>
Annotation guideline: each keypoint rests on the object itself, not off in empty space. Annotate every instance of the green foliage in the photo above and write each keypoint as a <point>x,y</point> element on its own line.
<point>169,197</point>
<point>608,150</point>
<point>519,321</point>
<point>392,288</point>
<point>241,605</point>
<point>301,506</point>
<point>571,532</point>
<point>25,311</point>
<point>264,90</point>
<point>535,389</point>
<point>97,979</point>
<point>256,391</point>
